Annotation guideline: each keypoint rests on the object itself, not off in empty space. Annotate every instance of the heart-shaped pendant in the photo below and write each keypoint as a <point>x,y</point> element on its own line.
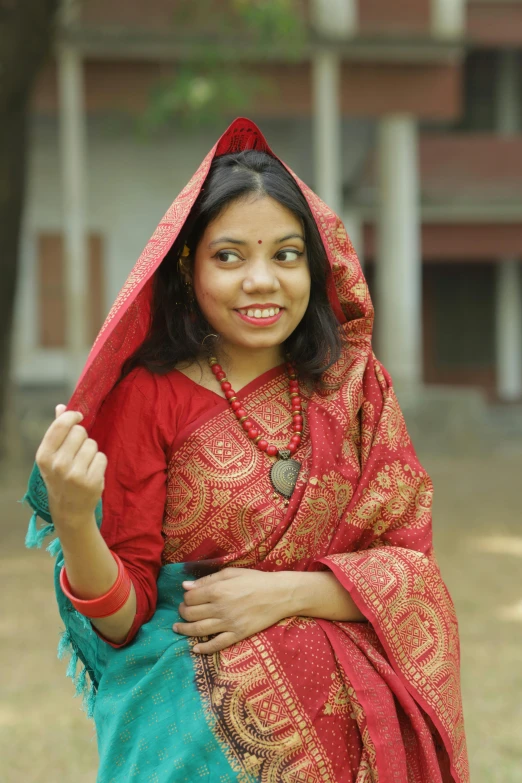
<point>284,473</point>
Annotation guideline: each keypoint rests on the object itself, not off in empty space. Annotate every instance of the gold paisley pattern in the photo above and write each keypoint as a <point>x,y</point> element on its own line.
<point>396,494</point>
<point>402,590</point>
<point>338,701</point>
<point>400,587</point>
<point>257,717</point>
<point>217,474</point>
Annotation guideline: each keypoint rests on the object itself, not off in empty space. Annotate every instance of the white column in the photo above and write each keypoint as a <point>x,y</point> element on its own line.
<point>355,229</point>
<point>333,21</point>
<point>509,330</point>
<point>73,162</point>
<point>398,271</point>
<point>508,106</point>
<point>336,19</point>
<point>448,18</point>
<point>327,128</point>
<point>508,303</point>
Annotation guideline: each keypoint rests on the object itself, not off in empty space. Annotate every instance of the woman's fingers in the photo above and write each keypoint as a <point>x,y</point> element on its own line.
<point>56,435</point>
<point>72,467</point>
<point>63,461</point>
<point>82,458</point>
<point>76,438</point>
<point>200,595</point>
<point>219,642</point>
<point>97,468</point>
<point>200,628</point>
<point>193,613</point>
<point>212,579</point>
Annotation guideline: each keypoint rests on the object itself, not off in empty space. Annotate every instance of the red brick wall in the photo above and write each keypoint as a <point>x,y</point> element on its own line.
<point>388,17</point>
<point>374,15</point>
<point>492,22</point>
<point>469,242</point>
<point>160,14</point>
<point>495,23</point>
<point>429,91</point>
<point>154,14</point>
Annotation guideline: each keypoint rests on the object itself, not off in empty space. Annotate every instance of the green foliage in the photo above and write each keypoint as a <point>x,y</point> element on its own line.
<point>273,22</point>
<point>218,39</point>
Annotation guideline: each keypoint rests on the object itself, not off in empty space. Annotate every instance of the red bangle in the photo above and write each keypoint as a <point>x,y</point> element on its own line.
<point>106,604</point>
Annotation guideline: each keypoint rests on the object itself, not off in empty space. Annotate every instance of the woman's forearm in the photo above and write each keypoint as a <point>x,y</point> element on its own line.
<point>92,571</point>
<point>318,594</point>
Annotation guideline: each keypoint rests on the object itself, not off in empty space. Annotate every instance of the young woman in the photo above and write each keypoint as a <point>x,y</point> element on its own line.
<point>258,600</point>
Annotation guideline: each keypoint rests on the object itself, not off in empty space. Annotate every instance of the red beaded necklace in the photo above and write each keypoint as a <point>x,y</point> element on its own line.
<point>283,475</point>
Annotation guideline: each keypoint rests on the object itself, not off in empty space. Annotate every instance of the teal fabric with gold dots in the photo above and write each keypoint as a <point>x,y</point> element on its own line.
<point>148,712</point>
<point>150,721</point>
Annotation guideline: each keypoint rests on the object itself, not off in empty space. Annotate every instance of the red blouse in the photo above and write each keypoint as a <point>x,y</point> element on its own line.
<point>136,427</point>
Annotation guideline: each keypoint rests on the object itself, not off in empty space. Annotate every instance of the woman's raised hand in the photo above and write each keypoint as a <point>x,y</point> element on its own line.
<point>73,469</point>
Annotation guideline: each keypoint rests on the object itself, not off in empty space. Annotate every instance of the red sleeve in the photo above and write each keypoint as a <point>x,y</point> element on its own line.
<point>128,431</point>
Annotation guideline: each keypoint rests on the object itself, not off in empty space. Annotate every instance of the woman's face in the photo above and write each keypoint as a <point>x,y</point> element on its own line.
<point>250,273</point>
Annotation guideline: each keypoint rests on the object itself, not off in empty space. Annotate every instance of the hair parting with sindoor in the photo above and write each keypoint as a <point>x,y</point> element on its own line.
<point>178,327</point>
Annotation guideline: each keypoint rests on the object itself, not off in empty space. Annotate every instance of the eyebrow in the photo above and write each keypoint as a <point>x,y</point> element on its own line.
<point>233,241</point>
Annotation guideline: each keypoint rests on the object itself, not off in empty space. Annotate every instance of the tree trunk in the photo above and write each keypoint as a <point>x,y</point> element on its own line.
<point>26,33</point>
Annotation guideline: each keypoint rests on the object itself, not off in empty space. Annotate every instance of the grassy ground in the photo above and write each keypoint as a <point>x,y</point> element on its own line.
<point>46,738</point>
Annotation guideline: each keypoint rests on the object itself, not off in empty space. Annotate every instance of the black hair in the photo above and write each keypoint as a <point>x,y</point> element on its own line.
<point>176,332</point>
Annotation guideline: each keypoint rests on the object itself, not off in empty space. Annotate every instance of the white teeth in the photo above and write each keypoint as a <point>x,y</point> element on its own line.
<point>267,313</point>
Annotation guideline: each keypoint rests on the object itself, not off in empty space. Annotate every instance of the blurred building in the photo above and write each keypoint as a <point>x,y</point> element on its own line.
<point>405,117</point>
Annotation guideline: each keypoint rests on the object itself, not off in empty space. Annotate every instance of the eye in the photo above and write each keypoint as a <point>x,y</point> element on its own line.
<point>223,255</point>
<point>291,255</point>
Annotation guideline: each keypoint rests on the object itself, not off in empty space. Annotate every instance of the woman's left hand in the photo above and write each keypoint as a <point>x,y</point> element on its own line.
<point>233,603</point>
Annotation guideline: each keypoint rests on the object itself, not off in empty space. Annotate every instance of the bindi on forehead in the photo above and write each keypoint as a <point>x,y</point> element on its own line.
<point>259,241</point>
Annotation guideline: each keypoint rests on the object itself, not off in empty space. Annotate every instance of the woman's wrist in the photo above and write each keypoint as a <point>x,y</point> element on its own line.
<point>293,593</point>
<point>72,532</point>
<point>317,594</point>
<point>75,539</point>
<point>70,524</point>
<point>90,565</point>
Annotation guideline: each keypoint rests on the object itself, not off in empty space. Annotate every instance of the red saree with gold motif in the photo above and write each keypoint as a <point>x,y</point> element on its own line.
<point>306,700</point>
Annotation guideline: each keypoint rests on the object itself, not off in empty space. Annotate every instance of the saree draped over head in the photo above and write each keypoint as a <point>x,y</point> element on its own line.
<point>307,700</point>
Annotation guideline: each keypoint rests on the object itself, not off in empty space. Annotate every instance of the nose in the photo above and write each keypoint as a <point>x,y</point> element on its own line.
<point>260,277</point>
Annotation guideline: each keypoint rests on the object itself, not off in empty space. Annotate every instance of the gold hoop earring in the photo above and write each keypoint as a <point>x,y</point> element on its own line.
<point>215,336</point>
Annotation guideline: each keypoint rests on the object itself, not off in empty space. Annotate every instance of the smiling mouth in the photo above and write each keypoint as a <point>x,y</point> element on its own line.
<point>267,312</point>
